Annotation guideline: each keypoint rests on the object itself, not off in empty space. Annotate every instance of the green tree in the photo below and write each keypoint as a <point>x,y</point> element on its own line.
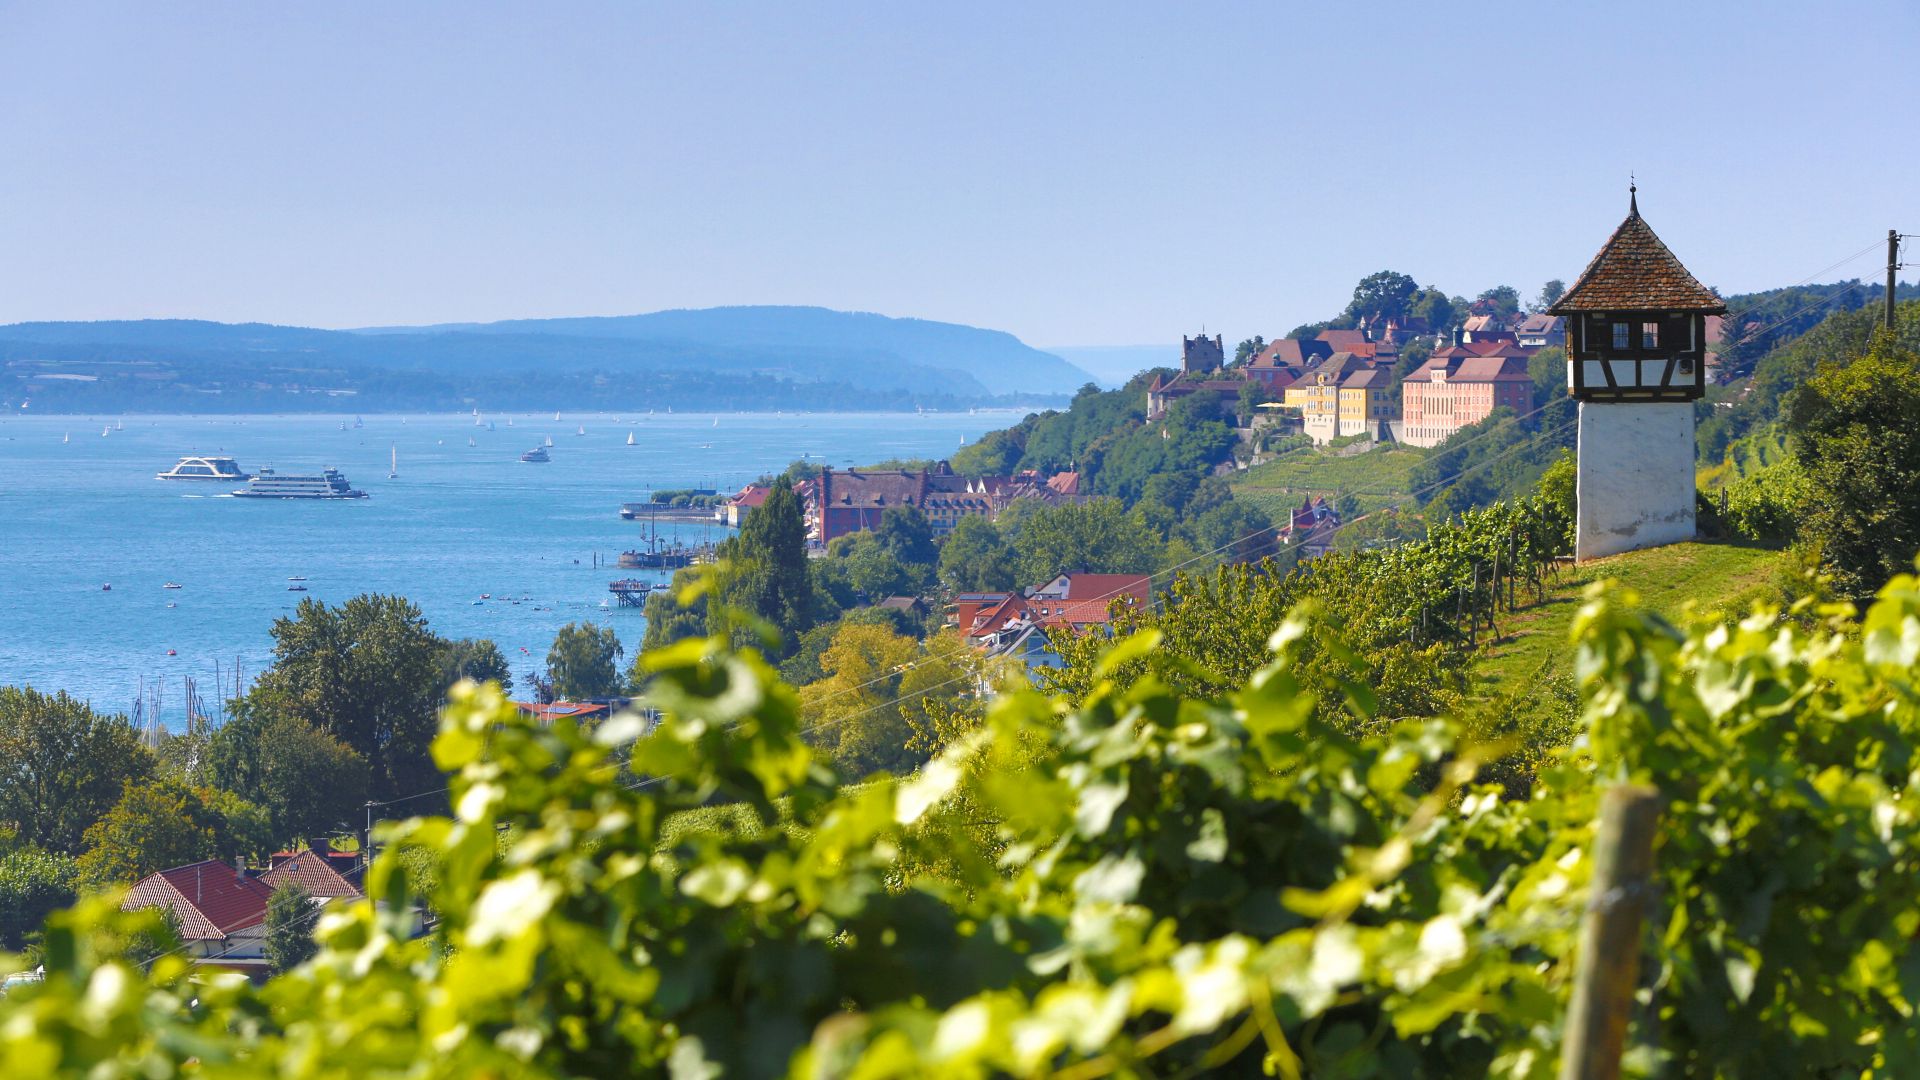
<point>584,662</point>
<point>853,710</point>
<point>33,884</point>
<point>906,535</point>
<point>1386,294</point>
<point>976,558</point>
<point>310,783</point>
<point>1249,349</point>
<point>1096,537</point>
<point>1855,438</point>
<point>162,823</point>
<point>478,659</point>
<point>765,572</point>
<point>62,766</point>
<point>1438,309</point>
<point>669,620</point>
<point>290,919</point>
<point>1502,300</point>
<point>367,673</point>
<point>1550,294</point>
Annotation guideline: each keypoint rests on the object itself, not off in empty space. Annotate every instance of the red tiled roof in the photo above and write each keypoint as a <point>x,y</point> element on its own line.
<point>558,709</point>
<point>1491,369</point>
<point>1104,587</point>
<point>1347,340</point>
<point>211,899</point>
<point>311,872</point>
<point>1366,377</point>
<point>1288,353</point>
<point>1634,271</point>
<point>752,495</point>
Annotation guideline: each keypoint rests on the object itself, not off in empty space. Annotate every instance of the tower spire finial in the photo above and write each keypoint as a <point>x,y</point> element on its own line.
<point>1633,197</point>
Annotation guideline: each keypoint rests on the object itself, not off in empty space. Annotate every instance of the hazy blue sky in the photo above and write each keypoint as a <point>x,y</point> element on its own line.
<point>1077,174</point>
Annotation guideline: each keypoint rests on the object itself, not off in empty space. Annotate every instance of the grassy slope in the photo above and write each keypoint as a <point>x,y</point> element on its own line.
<point>1378,478</point>
<point>1716,577</point>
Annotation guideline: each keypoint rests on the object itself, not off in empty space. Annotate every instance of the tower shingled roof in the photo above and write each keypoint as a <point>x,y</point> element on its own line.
<point>1634,271</point>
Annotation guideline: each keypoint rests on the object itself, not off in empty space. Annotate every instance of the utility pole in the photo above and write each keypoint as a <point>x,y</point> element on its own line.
<point>1893,268</point>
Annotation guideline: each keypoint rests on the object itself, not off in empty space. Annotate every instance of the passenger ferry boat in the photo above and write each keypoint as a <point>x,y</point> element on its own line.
<point>538,453</point>
<point>271,485</point>
<point>196,467</point>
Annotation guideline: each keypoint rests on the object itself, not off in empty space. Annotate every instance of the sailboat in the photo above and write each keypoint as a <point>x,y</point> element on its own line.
<point>629,438</point>
<point>393,469</point>
<point>556,417</point>
<point>582,431</point>
<point>68,437</point>
<point>105,431</point>
<point>119,425</point>
<point>470,441</point>
<point>716,421</point>
<point>359,423</point>
<point>509,421</point>
<point>549,440</point>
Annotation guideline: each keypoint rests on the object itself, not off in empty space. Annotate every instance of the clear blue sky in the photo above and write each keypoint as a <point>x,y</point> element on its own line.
<point>1109,173</point>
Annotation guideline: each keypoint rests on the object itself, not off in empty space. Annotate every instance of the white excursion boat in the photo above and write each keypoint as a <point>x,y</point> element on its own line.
<point>196,467</point>
<point>329,484</point>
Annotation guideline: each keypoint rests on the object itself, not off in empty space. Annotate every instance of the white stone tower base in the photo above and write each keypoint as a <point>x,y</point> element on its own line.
<point>1635,482</point>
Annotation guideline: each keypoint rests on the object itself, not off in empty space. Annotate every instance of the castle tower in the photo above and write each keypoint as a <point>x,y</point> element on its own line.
<point>1202,354</point>
<point>1636,338</point>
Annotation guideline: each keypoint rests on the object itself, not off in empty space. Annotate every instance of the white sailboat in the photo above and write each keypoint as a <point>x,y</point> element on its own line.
<point>105,431</point>
<point>119,425</point>
<point>716,421</point>
<point>556,417</point>
<point>509,421</point>
<point>629,438</point>
<point>549,440</point>
<point>582,431</point>
<point>393,469</point>
<point>470,441</point>
<point>68,437</point>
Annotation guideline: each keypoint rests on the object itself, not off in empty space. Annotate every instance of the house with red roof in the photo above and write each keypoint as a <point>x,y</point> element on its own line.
<point>735,510</point>
<point>220,908</point>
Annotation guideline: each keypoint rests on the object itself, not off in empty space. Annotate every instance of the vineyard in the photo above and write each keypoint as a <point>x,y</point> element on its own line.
<point>1150,883</point>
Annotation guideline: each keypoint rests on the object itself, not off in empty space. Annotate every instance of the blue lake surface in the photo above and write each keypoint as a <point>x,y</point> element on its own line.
<point>457,522</point>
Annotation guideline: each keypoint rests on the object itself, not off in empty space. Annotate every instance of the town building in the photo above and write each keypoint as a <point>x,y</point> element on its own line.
<point>843,502</point>
<point>1341,396</point>
<point>1311,528</point>
<point>735,510</point>
<point>1458,386</point>
<point>221,908</point>
<point>1022,626</point>
<point>1163,391</point>
<point>1541,331</point>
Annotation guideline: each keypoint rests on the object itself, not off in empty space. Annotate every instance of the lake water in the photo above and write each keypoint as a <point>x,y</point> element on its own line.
<point>457,522</point>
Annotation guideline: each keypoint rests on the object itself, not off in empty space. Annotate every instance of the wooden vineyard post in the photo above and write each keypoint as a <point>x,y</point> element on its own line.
<point>1608,963</point>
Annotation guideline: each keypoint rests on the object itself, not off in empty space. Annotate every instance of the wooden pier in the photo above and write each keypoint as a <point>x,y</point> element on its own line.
<point>631,592</point>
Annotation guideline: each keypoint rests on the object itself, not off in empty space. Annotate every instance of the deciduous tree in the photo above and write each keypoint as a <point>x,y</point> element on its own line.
<point>62,766</point>
<point>290,919</point>
<point>367,673</point>
<point>584,662</point>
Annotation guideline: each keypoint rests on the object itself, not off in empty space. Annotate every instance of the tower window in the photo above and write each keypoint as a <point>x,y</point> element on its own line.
<point>1650,335</point>
<point>1621,338</point>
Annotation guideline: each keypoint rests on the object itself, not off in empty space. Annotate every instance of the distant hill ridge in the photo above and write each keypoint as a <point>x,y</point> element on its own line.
<point>802,343</point>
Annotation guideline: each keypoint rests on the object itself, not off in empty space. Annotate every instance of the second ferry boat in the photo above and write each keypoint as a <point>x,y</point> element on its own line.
<point>329,484</point>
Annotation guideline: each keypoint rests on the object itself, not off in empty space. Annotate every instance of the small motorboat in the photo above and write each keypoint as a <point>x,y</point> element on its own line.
<point>296,588</point>
<point>170,652</point>
<point>296,577</point>
<point>170,585</point>
<point>108,587</point>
